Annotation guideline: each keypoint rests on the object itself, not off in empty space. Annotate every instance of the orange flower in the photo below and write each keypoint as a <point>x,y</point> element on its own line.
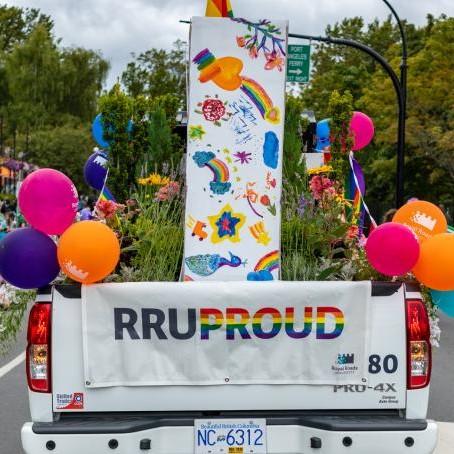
<point>240,41</point>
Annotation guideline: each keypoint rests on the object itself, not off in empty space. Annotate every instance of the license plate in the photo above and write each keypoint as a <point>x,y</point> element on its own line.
<point>230,436</point>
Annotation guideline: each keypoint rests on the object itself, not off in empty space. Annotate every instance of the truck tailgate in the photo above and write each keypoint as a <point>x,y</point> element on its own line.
<point>384,389</point>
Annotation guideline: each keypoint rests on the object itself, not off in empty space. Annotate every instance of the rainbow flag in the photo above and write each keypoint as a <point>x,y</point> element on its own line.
<point>106,195</point>
<point>219,8</point>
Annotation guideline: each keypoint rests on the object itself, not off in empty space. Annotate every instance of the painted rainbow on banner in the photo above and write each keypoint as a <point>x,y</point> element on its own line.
<point>219,169</point>
<point>268,262</point>
<point>257,94</point>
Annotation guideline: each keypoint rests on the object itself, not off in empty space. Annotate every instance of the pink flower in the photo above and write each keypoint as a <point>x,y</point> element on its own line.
<point>322,187</point>
<point>168,192</point>
<point>273,60</point>
<point>253,53</point>
<point>106,209</point>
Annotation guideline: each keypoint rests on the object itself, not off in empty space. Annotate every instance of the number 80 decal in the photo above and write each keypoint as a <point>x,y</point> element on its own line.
<point>389,364</point>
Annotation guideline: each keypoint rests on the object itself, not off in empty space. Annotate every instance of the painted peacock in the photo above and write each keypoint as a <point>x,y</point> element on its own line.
<point>208,264</point>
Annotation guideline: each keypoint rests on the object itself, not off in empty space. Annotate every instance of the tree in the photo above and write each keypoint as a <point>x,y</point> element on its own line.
<point>428,145</point>
<point>82,74</point>
<point>16,24</point>
<point>65,148</point>
<point>158,72</point>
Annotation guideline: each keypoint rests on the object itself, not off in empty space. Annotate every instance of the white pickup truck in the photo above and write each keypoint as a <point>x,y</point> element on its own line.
<point>385,415</point>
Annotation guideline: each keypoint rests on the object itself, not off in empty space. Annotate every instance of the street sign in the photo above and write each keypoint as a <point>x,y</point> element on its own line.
<point>298,63</point>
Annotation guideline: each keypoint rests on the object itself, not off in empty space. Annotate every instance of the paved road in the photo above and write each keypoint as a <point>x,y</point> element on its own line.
<point>14,404</point>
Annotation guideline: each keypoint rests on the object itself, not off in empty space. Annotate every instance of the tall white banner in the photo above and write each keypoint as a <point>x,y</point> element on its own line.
<point>235,139</point>
<point>202,333</point>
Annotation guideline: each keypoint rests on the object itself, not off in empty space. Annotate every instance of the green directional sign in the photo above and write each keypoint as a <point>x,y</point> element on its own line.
<point>298,63</point>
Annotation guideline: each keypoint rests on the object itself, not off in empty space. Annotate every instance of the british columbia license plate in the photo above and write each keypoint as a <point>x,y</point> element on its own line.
<point>230,436</point>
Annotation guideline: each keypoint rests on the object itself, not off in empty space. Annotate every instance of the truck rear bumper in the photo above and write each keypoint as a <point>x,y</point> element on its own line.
<point>335,434</point>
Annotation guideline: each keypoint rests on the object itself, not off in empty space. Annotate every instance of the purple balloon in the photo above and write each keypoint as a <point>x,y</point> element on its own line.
<point>95,170</point>
<point>28,258</point>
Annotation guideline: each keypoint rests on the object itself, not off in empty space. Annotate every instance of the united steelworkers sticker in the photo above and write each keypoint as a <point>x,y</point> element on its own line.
<point>74,401</point>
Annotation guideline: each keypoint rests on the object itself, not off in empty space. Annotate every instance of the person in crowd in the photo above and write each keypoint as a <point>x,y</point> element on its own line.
<point>3,226</point>
<point>86,214</point>
<point>388,216</point>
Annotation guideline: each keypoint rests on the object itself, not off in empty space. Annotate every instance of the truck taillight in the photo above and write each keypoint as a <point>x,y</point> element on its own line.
<point>419,353</point>
<point>38,348</point>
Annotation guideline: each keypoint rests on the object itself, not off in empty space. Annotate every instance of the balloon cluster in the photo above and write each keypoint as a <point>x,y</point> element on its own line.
<point>417,240</point>
<point>361,130</point>
<point>87,251</point>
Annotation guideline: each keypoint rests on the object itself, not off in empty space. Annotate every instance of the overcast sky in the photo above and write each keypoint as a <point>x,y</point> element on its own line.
<point>119,27</point>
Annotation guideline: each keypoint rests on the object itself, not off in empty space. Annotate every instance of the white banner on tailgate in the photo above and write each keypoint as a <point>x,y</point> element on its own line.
<point>224,333</point>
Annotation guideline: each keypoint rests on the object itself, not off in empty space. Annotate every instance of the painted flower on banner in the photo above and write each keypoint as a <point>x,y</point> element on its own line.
<point>273,60</point>
<point>226,225</point>
<point>213,110</point>
<point>263,37</point>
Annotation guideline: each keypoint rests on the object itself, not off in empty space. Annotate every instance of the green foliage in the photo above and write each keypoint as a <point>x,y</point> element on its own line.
<point>65,148</point>
<point>151,144</point>
<point>48,94</point>
<point>311,238</point>
<point>157,72</point>
<point>16,24</point>
<point>340,112</point>
<point>294,168</point>
<point>158,245</point>
<point>13,306</point>
<point>117,110</point>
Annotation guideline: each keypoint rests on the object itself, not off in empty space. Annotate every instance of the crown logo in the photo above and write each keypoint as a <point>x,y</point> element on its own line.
<point>348,358</point>
<point>77,272</point>
<point>100,160</point>
<point>424,220</point>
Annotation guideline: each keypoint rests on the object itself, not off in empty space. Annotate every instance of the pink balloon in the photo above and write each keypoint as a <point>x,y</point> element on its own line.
<point>392,249</point>
<point>48,200</point>
<point>362,130</point>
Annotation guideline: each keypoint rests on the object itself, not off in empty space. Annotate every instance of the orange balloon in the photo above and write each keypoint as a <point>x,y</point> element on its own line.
<point>424,218</point>
<point>88,251</point>
<point>435,267</point>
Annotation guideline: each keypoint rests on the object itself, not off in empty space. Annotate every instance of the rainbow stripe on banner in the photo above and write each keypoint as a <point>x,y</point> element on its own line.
<point>268,262</point>
<point>267,322</point>
<point>219,8</point>
<point>321,317</point>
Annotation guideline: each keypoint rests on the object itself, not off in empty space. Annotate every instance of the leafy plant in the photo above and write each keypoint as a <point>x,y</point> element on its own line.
<point>13,306</point>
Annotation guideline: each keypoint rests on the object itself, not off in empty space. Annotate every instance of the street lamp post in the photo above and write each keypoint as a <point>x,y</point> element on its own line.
<point>403,113</point>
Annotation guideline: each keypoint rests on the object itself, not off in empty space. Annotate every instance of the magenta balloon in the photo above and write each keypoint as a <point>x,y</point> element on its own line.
<point>392,249</point>
<point>362,130</point>
<point>48,200</point>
